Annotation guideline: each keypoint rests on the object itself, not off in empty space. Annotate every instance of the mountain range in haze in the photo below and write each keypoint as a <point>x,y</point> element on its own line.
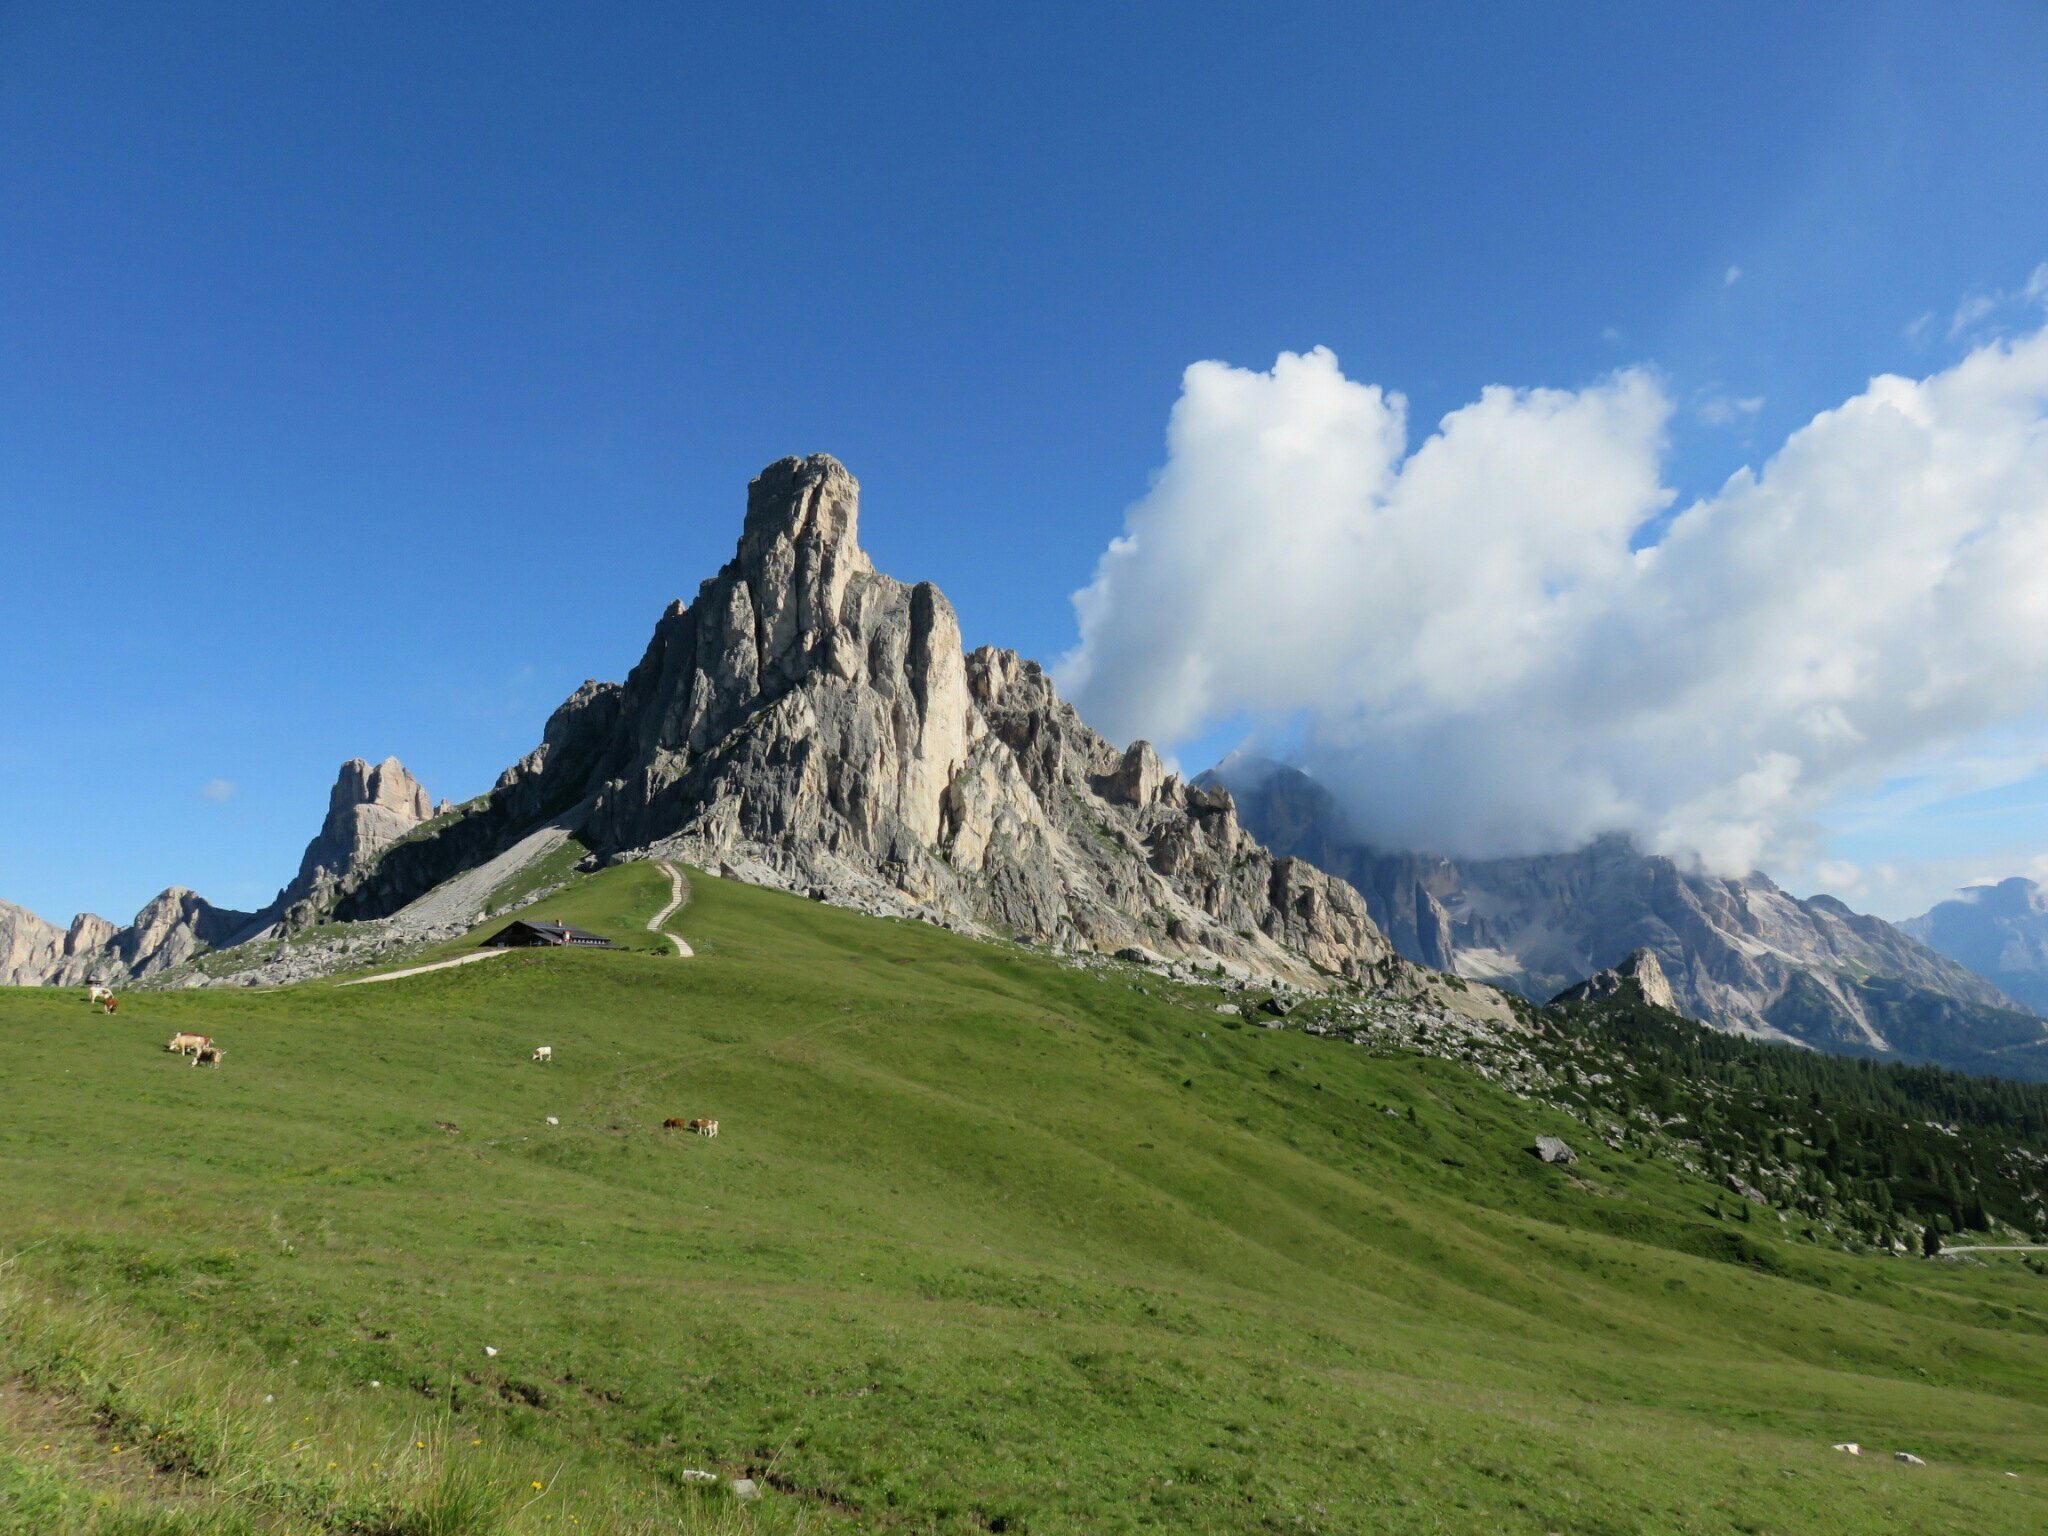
<point>1999,931</point>
<point>1740,954</point>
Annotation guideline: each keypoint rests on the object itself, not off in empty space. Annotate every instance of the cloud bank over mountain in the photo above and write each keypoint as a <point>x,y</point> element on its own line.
<point>1504,641</point>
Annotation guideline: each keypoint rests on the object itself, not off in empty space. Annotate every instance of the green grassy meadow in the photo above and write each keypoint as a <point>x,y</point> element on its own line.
<point>987,1243</point>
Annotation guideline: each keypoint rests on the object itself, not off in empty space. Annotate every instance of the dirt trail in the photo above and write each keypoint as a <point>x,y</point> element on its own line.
<point>679,892</point>
<point>421,970</point>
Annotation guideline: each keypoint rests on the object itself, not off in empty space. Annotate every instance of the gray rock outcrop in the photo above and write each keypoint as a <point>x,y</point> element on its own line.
<point>1639,977</point>
<point>817,723</point>
<point>170,930</point>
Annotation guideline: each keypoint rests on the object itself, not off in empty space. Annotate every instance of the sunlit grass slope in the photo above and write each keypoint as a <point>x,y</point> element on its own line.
<point>986,1243</point>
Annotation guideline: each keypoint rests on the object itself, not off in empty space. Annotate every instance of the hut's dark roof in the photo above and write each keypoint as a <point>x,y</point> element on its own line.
<point>553,933</point>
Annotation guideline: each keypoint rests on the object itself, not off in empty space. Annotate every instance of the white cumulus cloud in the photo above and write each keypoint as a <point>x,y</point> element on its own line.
<point>219,791</point>
<point>1477,654</point>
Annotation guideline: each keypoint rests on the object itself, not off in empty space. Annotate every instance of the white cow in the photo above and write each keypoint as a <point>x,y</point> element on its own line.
<point>100,995</point>
<point>543,1053</point>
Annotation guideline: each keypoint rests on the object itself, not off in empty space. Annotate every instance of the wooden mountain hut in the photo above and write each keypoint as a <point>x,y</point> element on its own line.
<point>543,935</point>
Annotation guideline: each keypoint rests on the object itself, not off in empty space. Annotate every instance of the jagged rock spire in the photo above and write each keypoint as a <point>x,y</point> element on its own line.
<point>369,808</point>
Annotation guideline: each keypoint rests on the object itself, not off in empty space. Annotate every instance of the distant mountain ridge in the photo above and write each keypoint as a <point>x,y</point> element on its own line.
<point>1999,931</point>
<point>175,925</point>
<point>1739,954</point>
<point>368,809</point>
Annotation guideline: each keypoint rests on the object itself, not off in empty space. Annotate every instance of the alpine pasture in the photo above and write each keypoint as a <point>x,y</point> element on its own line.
<point>988,1242</point>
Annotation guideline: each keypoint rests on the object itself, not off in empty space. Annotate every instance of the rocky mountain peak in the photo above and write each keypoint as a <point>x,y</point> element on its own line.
<point>816,724</point>
<point>799,548</point>
<point>810,505</point>
<point>1640,976</point>
<point>173,926</point>
<point>1139,779</point>
<point>88,933</point>
<point>386,788</point>
<point>368,809</point>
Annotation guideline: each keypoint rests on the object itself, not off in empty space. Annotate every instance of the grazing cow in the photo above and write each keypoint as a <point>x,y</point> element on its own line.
<point>209,1054</point>
<point>100,995</point>
<point>673,1124</point>
<point>542,1053</point>
<point>704,1127</point>
<point>111,1003</point>
<point>187,1045</point>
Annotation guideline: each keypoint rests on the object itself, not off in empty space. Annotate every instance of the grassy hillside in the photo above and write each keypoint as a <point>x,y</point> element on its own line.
<point>986,1244</point>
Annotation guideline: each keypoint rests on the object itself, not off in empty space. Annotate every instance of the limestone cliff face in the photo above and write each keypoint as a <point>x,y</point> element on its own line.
<point>819,720</point>
<point>32,952</point>
<point>173,927</point>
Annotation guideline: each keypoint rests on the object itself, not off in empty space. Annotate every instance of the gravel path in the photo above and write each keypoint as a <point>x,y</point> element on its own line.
<point>421,970</point>
<point>679,892</point>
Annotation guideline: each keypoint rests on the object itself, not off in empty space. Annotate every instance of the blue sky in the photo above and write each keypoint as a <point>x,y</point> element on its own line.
<point>372,374</point>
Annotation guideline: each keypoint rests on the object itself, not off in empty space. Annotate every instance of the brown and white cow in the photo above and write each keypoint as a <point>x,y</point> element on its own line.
<point>704,1127</point>
<point>208,1054</point>
<point>189,1045</point>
